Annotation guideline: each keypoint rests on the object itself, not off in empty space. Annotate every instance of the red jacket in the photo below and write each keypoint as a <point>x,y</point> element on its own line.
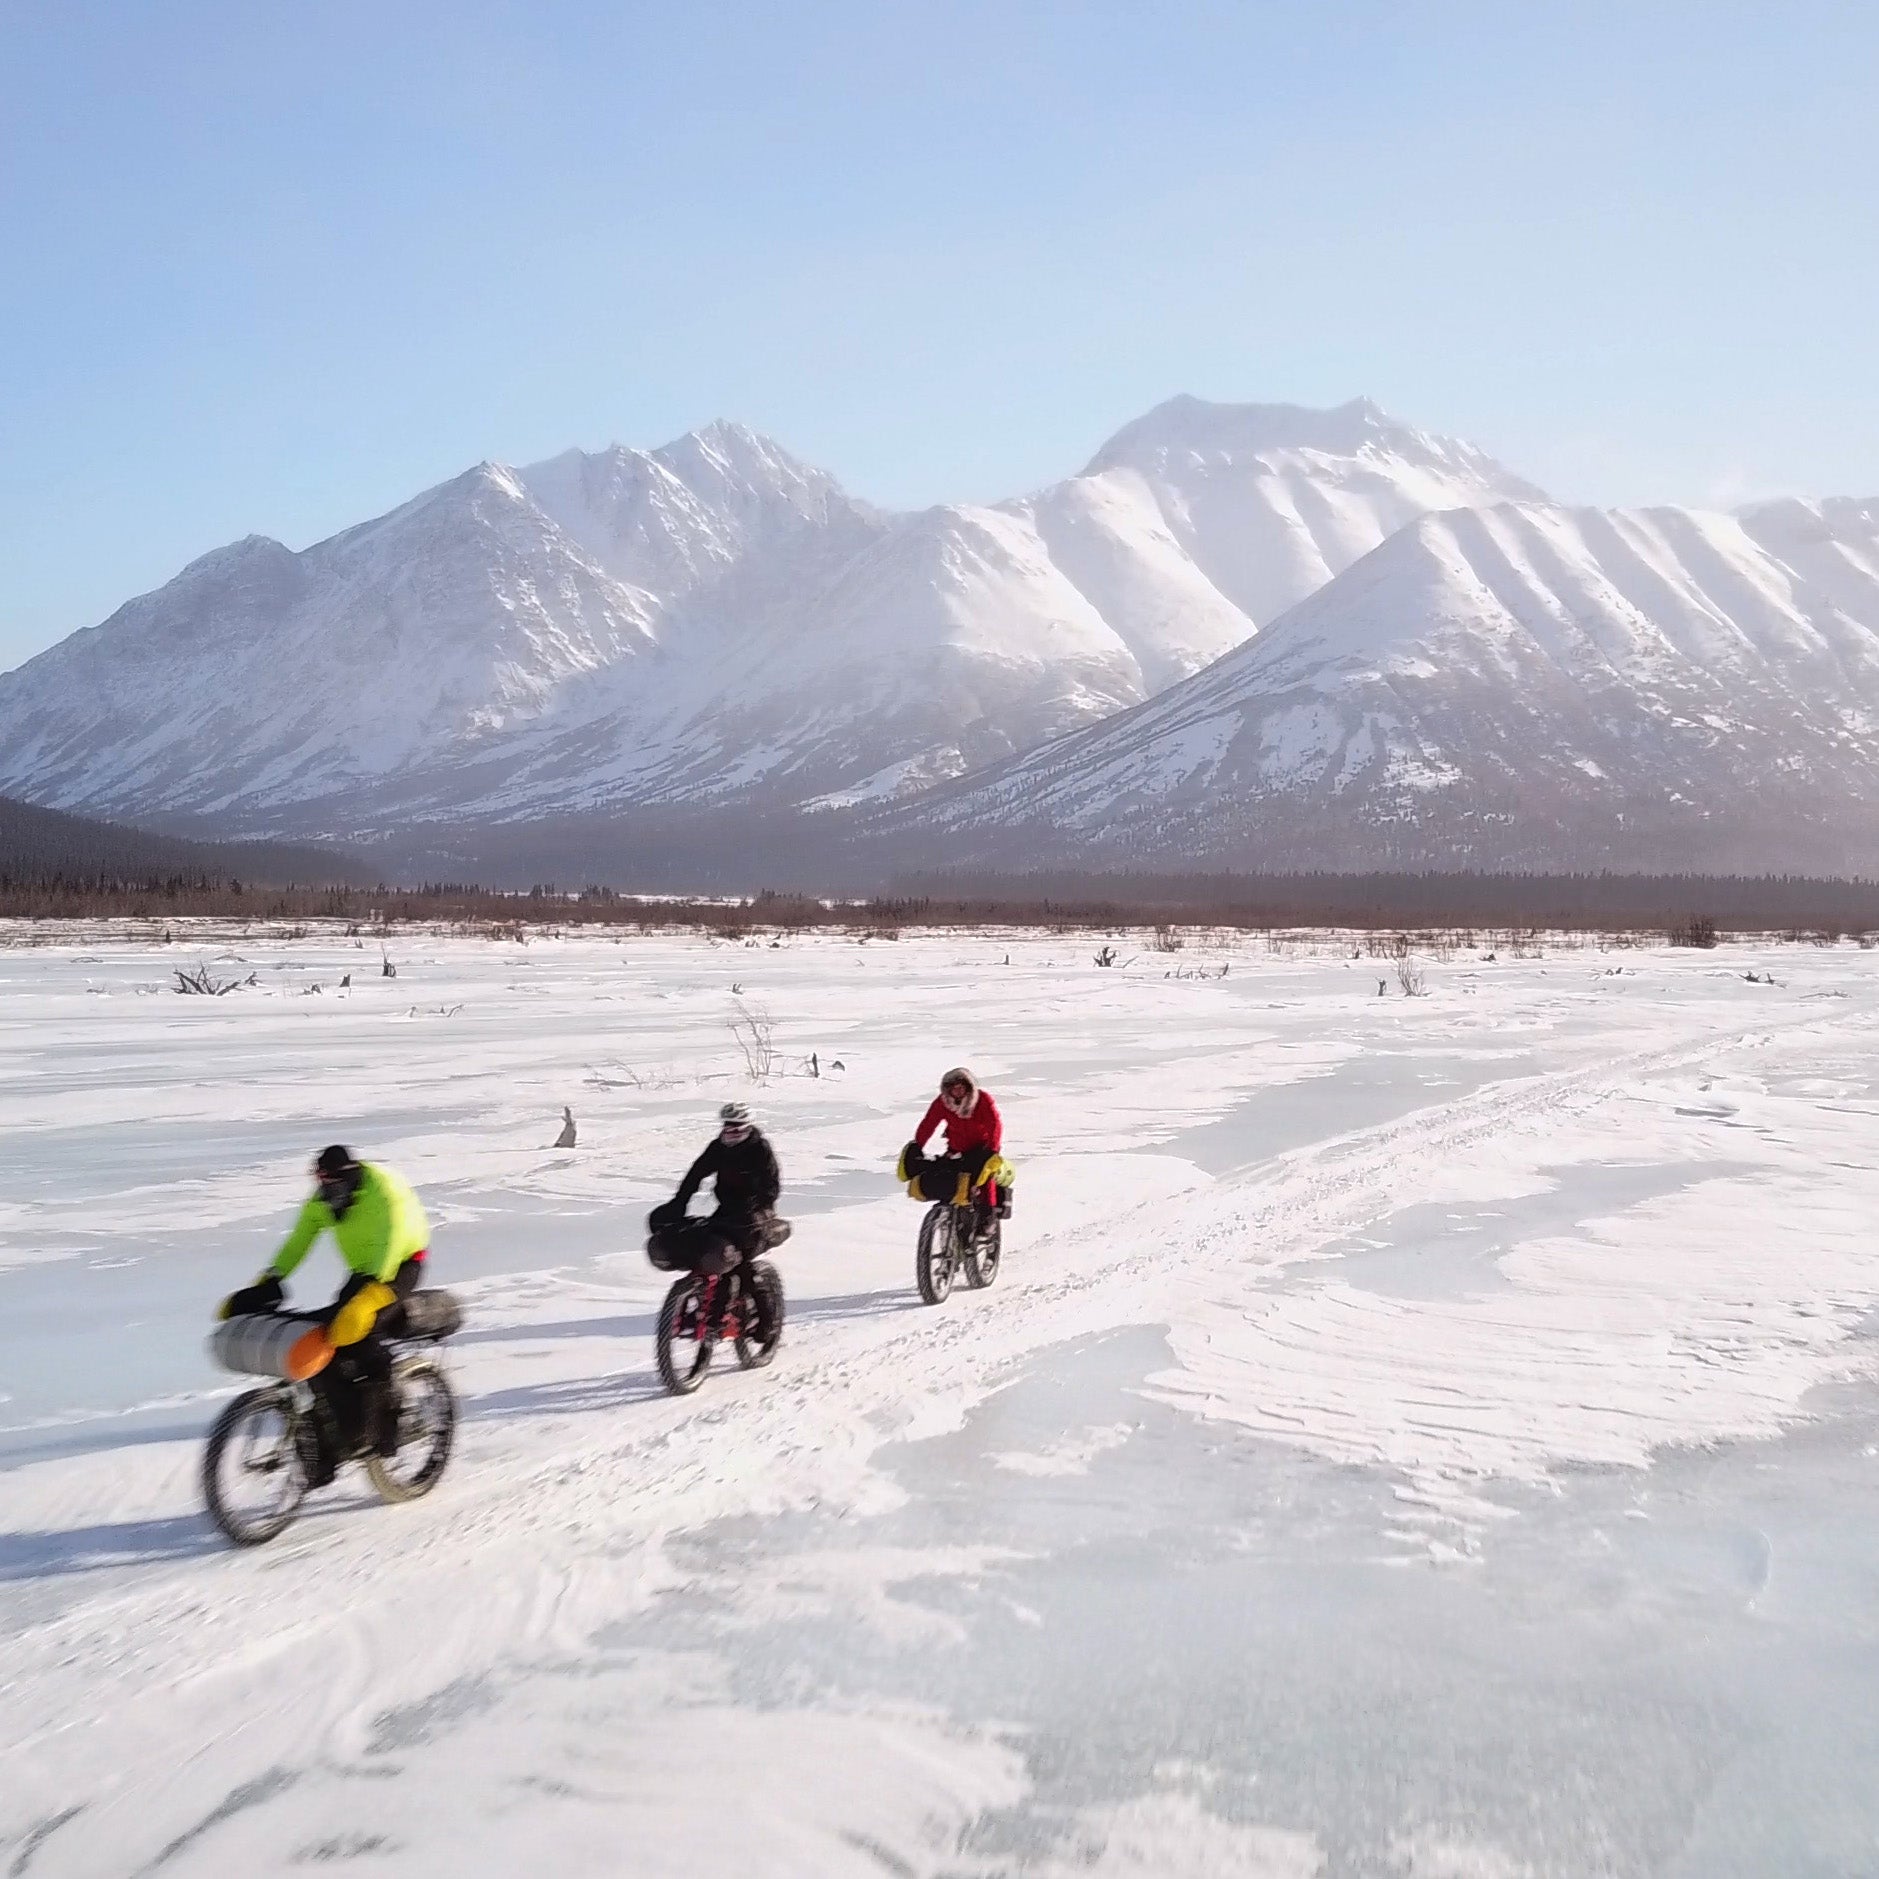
<point>981,1129</point>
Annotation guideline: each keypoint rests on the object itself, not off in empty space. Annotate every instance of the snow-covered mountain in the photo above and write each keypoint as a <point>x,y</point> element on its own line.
<point>259,676</point>
<point>1524,685</point>
<point>708,621</point>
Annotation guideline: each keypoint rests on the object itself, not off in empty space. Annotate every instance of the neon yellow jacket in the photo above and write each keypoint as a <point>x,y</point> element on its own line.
<point>382,1228</point>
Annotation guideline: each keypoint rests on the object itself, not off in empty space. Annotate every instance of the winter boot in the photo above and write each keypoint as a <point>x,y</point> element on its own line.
<point>381,1419</point>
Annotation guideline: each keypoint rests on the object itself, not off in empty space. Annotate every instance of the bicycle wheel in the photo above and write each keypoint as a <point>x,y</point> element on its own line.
<point>427,1431</point>
<point>253,1474</point>
<point>763,1292</point>
<point>934,1263</point>
<point>983,1255</point>
<point>683,1355</point>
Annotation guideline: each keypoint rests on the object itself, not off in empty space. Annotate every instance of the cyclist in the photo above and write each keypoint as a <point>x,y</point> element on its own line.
<point>974,1135</point>
<point>383,1237</point>
<point>741,1164</point>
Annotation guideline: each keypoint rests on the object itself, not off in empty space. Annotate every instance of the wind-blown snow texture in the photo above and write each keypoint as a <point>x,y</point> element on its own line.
<point>710,620</point>
<point>1515,685</point>
<point>1430,1438</point>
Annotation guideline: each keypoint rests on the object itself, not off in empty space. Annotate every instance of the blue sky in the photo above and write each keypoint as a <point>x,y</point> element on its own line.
<point>269,268</point>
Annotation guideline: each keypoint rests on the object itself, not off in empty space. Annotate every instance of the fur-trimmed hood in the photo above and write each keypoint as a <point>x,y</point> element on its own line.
<point>971,1101</point>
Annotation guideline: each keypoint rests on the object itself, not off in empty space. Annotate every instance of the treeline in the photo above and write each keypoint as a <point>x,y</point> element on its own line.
<point>1643,905</point>
<point>1585,902</point>
<point>61,857</point>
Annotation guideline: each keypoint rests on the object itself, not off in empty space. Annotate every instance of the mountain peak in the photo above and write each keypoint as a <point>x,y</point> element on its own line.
<point>725,447</point>
<point>1792,518</point>
<point>1198,432</point>
<point>232,556</point>
<point>489,474</point>
<point>1200,426</point>
<point>720,450</point>
<point>729,431</point>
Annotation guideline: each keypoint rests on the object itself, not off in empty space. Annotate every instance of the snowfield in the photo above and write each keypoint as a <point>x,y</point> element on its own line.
<point>1422,1436</point>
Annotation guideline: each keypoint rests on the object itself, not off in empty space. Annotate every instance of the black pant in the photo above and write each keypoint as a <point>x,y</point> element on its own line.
<point>716,1244</point>
<point>723,1243</point>
<point>358,1380</point>
<point>938,1175</point>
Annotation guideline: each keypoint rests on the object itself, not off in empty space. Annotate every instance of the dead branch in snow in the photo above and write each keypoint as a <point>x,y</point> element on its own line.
<point>754,1033</point>
<point>202,982</point>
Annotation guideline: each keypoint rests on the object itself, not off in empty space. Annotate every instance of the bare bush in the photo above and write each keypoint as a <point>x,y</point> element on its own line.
<point>1409,976</point>
<point>754,1033</point>
<point>203,983</point>
<point>1106,956</point>
<point>1695,929</point>
<point>1168,940</point>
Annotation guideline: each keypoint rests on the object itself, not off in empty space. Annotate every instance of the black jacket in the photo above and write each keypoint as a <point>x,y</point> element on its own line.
<point>748,1181</point>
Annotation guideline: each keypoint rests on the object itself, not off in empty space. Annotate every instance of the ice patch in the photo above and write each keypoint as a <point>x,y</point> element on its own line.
<point>1071,1456</point>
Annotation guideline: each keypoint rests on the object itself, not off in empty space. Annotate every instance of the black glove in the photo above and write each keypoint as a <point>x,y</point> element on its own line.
<point>667,1213</point>
<point>266,1292</point>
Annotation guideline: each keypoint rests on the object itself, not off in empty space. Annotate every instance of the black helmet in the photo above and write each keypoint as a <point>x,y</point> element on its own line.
<point>330,1163</point>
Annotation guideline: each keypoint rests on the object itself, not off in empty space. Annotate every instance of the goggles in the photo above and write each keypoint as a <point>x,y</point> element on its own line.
<point>336,1190</point>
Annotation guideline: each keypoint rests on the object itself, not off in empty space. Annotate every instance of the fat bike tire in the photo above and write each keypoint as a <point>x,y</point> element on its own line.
<point>763,1287</point>
<point>984,1254</point>
<point>242,1449</point>
<point>683,1355</point>
<point>427,1432</point>
<point>935,1263</point>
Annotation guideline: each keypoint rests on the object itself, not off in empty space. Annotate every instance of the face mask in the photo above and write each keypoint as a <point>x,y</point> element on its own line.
<point>337,1194</point>
<point>732,1134</point>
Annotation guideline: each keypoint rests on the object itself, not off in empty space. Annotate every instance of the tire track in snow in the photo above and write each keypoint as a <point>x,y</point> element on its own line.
<point>501,1573</point>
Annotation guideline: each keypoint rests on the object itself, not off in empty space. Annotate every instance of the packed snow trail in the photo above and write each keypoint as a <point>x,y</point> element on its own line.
<point>199,1694</point>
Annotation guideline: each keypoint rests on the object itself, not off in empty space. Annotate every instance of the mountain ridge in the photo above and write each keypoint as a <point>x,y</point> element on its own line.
<point>711,620</point>
<point>1522,684</point>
